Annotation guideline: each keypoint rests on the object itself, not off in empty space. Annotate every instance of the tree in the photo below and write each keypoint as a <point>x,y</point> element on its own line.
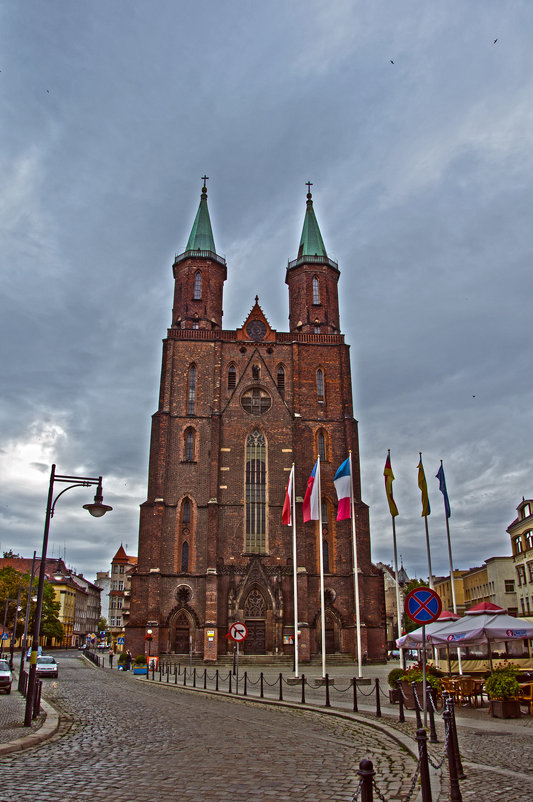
<point>10,579</point>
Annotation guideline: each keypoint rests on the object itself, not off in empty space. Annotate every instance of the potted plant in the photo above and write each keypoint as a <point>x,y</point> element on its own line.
<point>415,674</point>
<point>139,664</point>
<point>503,688</point>
<point>392,679</point>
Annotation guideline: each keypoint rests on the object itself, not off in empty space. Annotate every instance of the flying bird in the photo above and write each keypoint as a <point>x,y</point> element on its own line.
<point>494,41</point>
<point>391,61</point>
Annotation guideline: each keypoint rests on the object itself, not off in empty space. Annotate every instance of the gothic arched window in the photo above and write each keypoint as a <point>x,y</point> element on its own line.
<point>255,493</point>
<point>198,286</point>
<point>281,381</point>
<point>189,445</point>
<point>186,512</point>
<point>321,446</point>
<point>316,291</point>
<point>191,395</point>
<point>184,557</point>
<point>320,384</point>
<point>325,555</point>
<point>232,377</point>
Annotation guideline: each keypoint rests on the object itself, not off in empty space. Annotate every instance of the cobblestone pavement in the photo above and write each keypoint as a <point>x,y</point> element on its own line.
<point>131,741</point>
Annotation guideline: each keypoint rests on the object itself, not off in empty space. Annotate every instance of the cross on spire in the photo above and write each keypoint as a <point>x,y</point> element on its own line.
<point>204,179</point>
<point>308,185</point>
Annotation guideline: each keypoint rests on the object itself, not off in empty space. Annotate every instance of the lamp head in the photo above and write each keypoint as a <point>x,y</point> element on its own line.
<point>98,508</point>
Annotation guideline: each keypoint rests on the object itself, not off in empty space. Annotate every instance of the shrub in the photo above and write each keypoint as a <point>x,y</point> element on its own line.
<point>122,657</point>
<point>394,676</point>
<point>503,682</point>
<point>140,660</point>
<point>415,674</point>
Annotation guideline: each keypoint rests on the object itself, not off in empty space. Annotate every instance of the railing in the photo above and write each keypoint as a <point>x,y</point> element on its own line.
<point>199,254</point>
<point>313,260</point>
<point>212,335</point>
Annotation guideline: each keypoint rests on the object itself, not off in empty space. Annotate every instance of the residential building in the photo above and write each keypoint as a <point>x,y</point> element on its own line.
<point>391,600</point>
<point>521,534</point>
<point>123,567</point>
<point>237,408</point>
<point>494,582</point>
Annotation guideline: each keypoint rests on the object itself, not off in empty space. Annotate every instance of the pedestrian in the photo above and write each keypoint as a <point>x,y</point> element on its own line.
<point>111,658</point>
<point>128,660</point>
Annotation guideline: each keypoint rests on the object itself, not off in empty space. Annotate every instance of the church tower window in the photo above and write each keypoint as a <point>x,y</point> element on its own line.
<point>325,555</point>
<point>192,390</point>
<point>321,444</point>
<point>320,384</point>
<point>232,377</point>
<point>189,445</point>
<point>198,286</point>
<point>316,291</point>
<point>281,381</point>
<point>184,557</point>
<point>255,493</point>
<point>186,512</point>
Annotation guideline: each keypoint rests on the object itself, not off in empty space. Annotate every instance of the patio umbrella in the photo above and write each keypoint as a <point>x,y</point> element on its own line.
<point>413,640</point>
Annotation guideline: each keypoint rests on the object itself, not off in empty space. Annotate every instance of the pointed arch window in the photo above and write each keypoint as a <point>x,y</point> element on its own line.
<point>281,381</point>
<point>316,290</point>
<point>321,446</point>
<point>185,557</point>
<point>186,511</point>
<point>255,493</point>
<point>191,399</point>
<point>189,445</point>
<point>232,377</point>
<point>320,384</point>
<point>198,286</point>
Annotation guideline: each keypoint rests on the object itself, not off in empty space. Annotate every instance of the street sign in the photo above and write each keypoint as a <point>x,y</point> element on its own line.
<point>423,605</point>
<point>121,640</point>
<point>238,632</point>
<point>5,636</point>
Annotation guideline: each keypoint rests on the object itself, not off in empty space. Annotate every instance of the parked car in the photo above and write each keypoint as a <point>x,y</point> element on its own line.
<point>5,676</point>
<point>46,666</point>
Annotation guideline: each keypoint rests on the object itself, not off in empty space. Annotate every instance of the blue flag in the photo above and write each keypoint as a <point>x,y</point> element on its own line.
<point>442,488</point>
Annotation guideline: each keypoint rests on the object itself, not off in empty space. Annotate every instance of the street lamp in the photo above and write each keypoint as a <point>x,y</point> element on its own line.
<point>97,509</point>
<point>149,639</point>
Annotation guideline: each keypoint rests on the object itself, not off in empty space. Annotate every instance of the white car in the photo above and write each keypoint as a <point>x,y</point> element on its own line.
<point>5,676</point>
<point>46,666</point>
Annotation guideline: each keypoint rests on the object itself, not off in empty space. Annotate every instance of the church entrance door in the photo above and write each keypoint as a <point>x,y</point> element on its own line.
<point>255,640</point>
<point>182,640</point>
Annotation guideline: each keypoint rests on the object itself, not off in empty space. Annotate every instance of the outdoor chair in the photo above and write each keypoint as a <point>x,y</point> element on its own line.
<point>466,691</point>
<point>526,696</point>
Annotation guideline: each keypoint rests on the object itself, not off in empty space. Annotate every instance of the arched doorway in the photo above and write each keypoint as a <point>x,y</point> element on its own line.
<point>182,633</point>
<point>254,618</point>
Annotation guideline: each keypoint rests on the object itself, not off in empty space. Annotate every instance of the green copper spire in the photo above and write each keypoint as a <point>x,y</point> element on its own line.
<point>201,238</point>
<point>311,242</point>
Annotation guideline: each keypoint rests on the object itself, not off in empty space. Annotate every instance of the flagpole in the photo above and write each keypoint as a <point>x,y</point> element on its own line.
<point>294,572</point>
<point>321,555</point>
<point>389,478</point>
<point>452,578</point>
<point>355,574</point>
<point>396,575</point>
<point>429,553</point>
<point>426,509</point>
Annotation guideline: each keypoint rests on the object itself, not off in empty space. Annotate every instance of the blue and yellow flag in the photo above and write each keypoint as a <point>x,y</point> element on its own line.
<point>422,484</point>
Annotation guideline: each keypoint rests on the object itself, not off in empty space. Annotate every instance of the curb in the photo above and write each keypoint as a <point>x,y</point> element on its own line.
<point>48,728</point>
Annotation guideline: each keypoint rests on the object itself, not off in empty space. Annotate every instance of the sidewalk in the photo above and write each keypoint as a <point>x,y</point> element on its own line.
<point>14,736</point>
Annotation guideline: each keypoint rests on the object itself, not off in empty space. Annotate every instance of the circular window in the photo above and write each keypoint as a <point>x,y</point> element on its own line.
<point>184,593</point>
<point>256,401</point>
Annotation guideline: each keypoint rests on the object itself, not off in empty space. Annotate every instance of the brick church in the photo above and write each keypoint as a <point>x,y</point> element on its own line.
<point>236,409</point>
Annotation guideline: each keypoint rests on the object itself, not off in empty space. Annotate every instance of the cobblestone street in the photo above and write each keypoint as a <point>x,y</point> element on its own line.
<point>136,741</point>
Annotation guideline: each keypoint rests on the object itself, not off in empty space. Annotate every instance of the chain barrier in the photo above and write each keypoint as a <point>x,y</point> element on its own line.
<point>440,764</point>
<point>414,783</point>
<point>378,792</point>
<point>341,690</point>
<point>355,797</point>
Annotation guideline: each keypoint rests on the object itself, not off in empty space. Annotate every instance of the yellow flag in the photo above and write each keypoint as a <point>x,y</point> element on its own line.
<point>389,479</point>
<point>426,509</point>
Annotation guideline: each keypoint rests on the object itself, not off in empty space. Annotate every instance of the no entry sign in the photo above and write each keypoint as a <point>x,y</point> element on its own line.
<point>238,631</point>
<point>423,605</point>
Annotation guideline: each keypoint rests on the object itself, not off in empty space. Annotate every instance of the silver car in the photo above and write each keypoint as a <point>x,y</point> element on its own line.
<point>5,677</point>
<point>46,666</point>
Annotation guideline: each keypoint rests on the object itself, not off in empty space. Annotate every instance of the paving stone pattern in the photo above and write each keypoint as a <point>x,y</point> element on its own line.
<point>131,741</point>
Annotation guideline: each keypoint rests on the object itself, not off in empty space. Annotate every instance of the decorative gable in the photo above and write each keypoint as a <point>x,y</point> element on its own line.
<point>256,327</point>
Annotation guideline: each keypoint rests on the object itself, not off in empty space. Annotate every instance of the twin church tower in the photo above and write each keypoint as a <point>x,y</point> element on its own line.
<point>236,409</point>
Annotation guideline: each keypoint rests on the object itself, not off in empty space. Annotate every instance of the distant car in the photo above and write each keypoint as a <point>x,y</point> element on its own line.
<point>5,677</point>
<point>46,666</point>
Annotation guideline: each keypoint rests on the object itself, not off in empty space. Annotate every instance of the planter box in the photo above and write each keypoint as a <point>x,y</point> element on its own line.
<point>505,708</point>
<point>408,695</point>
<point>140,669</point>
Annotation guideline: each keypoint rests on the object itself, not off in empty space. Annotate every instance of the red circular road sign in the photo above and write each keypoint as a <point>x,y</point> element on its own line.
<point>238,631</point>
<point>423,605</point>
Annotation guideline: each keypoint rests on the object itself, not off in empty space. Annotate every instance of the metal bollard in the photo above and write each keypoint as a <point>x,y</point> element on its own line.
<point>216,679</point>
<point>184,676</point>
<point>455,791</point>
<point>460,771</point>
<point>229,677</point>
<point>175,675</point>
<point>425,785</point>
<point>401,714</point>
<point>431,710</point>
<point>303,689</point>
<point>261,685</point>
<point>194,677</point>
<point>327,691</point>
<point>205,678</point>
<point>378,700</point>
<point>367,774</point>
<point>245,683</point>
<point>280,688</point>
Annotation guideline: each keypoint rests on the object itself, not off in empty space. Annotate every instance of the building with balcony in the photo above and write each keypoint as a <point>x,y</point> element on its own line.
<point>521,534</point>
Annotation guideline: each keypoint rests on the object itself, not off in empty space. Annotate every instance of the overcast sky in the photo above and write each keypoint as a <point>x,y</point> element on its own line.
<point>415,127</point>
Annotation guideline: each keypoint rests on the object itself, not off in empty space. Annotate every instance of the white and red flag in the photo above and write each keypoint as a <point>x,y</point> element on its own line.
<point>286,516</point>
<point>311,501</point>
<point>343,483</point>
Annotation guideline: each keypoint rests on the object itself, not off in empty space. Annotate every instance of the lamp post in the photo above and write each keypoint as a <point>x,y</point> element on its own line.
<point>149,639</point>
<point>97,509</point>
<point>14,633</point>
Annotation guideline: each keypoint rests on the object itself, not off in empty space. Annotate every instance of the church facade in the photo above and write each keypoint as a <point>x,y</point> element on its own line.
<point>236,409</point>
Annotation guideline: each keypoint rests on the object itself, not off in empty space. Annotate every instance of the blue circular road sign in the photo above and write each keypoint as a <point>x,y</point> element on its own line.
<point>423,605</point>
